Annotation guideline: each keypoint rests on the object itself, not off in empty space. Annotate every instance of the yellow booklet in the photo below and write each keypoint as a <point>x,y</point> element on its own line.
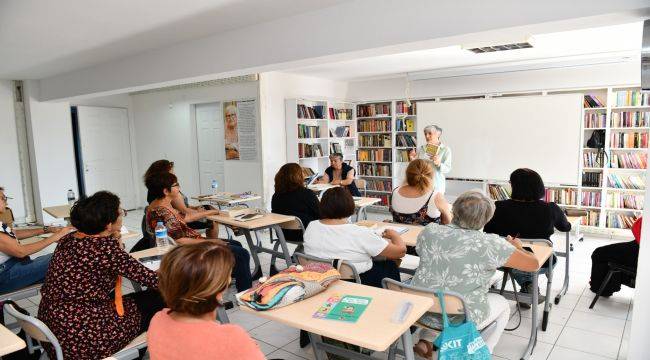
<point>432,149</point>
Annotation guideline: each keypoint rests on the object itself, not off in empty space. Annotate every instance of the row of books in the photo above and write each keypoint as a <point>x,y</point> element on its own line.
<point>309,150</point>
<point>590,198</point>
<point>311,112</point>
<point>379,185</point>
<point>498,192</point>
<point>403,155</point>
<point>562,196</point>
<point>374,125</point>
<point>374,155</point>
<point>382,140</point>
<point>592,218</point>
<point>373,109</point>
<point>632,98</point>
<point>335,148</point>
<point>630,140</point>
<point>340,131</point>
<point>401,107</point>
<point>306,131</point>
<point>592,179</point>
<point>625,201</point>
<point>592,101</point>
<point>405,124</point>
<point>625,182</point>
<point>595,120</point>
<point>375,170</point>
<point>340,114</point>
<point>630,119</point>
<point>593,159</point>
<point>405,140</point>
<point>385,199</point>
<point>636,160</point>
<point>620,221</point>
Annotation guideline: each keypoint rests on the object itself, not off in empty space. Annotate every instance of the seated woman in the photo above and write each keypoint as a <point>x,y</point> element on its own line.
<point>418,202</point>
<point>332,237</point>
<point>194,215</point>
<point>193,279</point>
<point>526,216</point>
<point>291,197</point>
<point>81,303</point>
<point>625,253</point>
<point>17,270</point>
<point>164,188</point>
<point>460,257</point>
<point>340,173</point>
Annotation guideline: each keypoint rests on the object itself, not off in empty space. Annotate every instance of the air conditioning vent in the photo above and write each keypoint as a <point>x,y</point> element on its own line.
<point>505,47</point>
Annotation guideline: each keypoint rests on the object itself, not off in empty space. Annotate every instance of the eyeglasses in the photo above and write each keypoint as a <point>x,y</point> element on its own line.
<point>123,212</point>
<point>5,198</point>
<point>175,185</point>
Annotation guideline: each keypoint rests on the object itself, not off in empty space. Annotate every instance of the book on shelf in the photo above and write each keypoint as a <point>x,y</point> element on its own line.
<point>592,218</point>
<point>306,131</point>
<point>562,196</point>
<point>340,131</point>
<point>402,155</point>
<point>620,181</point>
<point>629,140</point>
<point>498,192</point>
<point>595,119</point>
<point>625,201</point>
<point>630,119</point>
<point>406,124</point>
<point>632,98</point>
<point>367,125</point>
<point>311,112</point>
<point>374,155</point>
<point>636,160</point>
<point>375,170</point>
<point>366,110</point>
<point>340,114</point>
<point>593,159</point>
<point>620,220</point>
<point>309,150</point>
<point>335,148</point>
<point>385,199</point>
<point>405,140</point>
<point>379,185</point>
<point>379,140</point>
<point>307,172</point>
<point>591,198</point>
<point>349,145</point>
<point>592,179</point>
<point>401,107</point>
<point>592,101</point>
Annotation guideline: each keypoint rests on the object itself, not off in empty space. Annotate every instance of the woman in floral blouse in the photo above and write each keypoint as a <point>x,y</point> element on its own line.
<point>79,304</point>
<point>460,257</point>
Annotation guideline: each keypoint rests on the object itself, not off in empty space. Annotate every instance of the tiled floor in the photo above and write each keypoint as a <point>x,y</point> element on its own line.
<point>607,327</point>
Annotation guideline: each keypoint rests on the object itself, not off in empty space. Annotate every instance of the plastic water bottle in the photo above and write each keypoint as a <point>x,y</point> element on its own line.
<point>215,187</point>
<point>71,197</point>
<point>161,236</point>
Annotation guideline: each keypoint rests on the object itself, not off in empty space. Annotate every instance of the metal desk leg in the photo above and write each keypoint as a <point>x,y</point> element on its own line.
<point>222,315</point>
<point>257,272</point>
<point>535,322</point>
<point>283,243</point>
<point>549,283</point>
<point>407,342</point>
<point>567,252</point>
<point>314,339</point>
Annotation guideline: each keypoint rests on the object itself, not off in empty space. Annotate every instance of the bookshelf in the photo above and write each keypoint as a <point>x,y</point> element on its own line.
<point>318,128</point>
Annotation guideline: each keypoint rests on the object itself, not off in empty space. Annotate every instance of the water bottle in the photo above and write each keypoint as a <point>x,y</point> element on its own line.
<point>215,186</point>
<point>71,197</point>
<point>161,235</point>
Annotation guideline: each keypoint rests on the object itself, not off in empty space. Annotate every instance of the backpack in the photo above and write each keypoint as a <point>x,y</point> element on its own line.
<point>597,139</point>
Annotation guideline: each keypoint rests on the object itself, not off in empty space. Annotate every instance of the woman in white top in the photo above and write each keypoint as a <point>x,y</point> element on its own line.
<point>418,201</point>
<point>440,160</point>
<point>333,237</point>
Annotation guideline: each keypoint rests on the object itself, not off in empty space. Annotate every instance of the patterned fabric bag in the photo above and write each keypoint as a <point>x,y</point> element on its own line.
<point>289,286</point>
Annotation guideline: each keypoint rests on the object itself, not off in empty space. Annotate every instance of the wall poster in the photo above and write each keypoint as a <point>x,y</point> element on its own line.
<point>240,129</point>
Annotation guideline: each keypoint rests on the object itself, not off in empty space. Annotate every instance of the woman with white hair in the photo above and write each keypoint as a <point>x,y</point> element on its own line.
<point>460,257</point>
<point>437,153</point>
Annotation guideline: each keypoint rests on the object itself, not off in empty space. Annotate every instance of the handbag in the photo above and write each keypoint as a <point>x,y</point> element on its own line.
<point>597,139</point>
<point>461,341</point>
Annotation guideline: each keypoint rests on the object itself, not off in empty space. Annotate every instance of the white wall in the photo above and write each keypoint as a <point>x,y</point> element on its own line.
<point>10,176</point>
<point>51,150</point>
<point>164,129</point>
<point>275,87</point>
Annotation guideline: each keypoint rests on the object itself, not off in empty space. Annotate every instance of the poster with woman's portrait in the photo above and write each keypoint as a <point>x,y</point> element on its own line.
<point>231,130</point>
<point>240,130</point>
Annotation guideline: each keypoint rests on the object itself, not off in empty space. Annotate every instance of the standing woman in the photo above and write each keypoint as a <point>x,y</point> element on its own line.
<point>340,173</point>
<point>441,161</point>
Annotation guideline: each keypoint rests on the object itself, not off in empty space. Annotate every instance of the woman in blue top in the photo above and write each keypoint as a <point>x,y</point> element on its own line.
<point>340,173</point>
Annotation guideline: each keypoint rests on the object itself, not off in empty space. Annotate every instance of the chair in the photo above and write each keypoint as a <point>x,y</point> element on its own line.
<point>614,269</point>
<point>454,305</point>
<point>37,330</point>
<point>347,270</point>
<point>147,234</point>
<point>361,184</point>
<point>7,217</point>
<point>295,224</point>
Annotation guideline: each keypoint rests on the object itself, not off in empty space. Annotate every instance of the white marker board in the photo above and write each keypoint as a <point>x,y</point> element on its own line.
<point>489,138</point>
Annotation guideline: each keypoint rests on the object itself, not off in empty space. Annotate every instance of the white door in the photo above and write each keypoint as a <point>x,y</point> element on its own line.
<point>106,152</point>
<point>210,143</point>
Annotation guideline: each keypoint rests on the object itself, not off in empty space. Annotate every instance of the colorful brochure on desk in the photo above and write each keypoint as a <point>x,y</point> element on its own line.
<point>346,308</point>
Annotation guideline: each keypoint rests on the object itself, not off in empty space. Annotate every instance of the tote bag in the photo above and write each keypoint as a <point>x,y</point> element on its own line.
<point>461,341</point>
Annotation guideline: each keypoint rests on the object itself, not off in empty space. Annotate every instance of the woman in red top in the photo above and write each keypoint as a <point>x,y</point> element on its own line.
<point>626,254</point>
<point>79,304</point>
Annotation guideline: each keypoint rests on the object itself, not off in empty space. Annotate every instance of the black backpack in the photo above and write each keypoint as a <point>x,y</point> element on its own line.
<point>597,140</point>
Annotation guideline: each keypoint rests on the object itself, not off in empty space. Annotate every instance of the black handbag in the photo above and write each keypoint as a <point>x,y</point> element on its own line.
<point>597,140</point>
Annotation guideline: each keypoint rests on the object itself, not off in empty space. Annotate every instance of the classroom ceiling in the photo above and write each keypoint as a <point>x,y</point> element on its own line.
<point>622,41</point>
<point>43,38</point>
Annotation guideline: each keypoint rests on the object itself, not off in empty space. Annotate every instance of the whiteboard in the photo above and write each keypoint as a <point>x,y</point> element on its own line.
<point>489,138</point>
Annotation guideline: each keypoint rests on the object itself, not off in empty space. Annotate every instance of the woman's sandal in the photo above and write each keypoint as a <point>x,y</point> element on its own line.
<point>428,354</point>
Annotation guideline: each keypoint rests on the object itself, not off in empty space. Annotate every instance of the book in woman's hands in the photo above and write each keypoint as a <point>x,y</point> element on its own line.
<point>432,149</point>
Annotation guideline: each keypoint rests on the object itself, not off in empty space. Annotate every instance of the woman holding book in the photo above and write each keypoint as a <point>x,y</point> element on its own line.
<point>340,173</point>
<point>437,153</point>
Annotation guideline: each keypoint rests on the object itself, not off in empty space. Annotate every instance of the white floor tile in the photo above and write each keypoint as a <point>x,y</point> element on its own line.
<point>266,348</point>
<point>590,342</point>
<point>512,347</point>
<point>549,336</point>
<point>275,334</point>
<point>622,352</point>
<point>246,320</point>
<point>628,328</point>
<point>557,315</point>
<point>561,353</point>
<point>603,307</point>
<point>294,348</point>
<point>285,355</point>
<point>568,301</point>
<point>596,323</point>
